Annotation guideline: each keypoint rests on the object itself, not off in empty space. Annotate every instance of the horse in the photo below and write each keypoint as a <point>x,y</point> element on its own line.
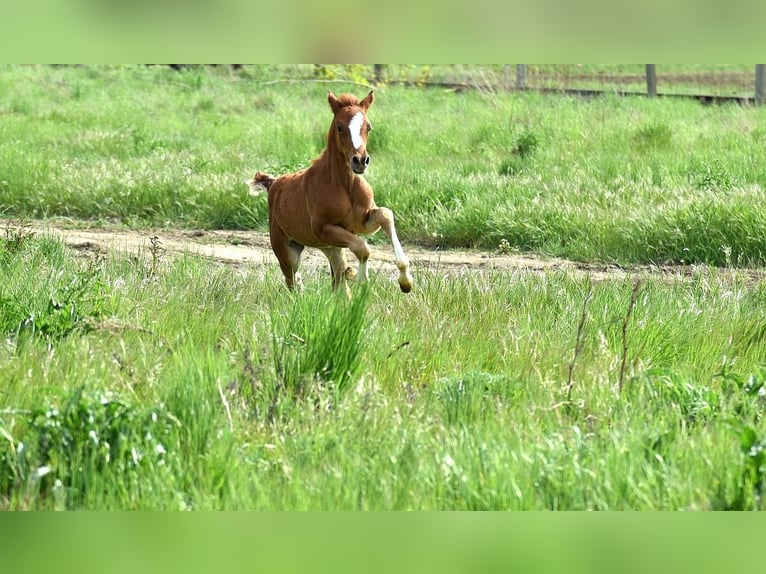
<point>330,203</point>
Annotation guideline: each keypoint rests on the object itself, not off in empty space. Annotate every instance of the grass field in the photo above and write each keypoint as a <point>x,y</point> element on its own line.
<point>140,381</point>
<point>615,180</point>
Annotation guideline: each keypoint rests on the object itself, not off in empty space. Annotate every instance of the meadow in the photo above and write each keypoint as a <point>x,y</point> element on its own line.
<point>144,381</point>
<point>617,180</point>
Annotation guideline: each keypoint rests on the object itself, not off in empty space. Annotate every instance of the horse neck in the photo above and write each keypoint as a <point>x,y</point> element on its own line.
<point>335,163</point>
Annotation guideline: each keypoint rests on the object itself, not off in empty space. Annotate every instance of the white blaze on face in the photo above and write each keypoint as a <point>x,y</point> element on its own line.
<point>355,129</point>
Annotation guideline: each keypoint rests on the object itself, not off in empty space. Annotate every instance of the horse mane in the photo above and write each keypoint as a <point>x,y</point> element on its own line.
<point>348,100</point>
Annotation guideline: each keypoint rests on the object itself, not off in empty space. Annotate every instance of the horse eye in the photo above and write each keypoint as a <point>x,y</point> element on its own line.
<point>369,127</point>
<point>340,129</point>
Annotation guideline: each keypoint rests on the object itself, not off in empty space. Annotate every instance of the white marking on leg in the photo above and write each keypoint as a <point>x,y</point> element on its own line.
<point>402,262</point>
<point>384,218</point>
<point>399,255</point>
<point>355,129</point>
<point>362,275</point>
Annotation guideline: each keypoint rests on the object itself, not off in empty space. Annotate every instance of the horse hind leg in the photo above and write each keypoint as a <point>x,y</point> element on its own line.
<point>296,249</point>
<point>339,267</point>
<point>288,253</point>
<point>349,274</point>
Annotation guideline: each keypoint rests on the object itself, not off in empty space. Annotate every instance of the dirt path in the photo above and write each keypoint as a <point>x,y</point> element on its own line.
<point>253,248</point>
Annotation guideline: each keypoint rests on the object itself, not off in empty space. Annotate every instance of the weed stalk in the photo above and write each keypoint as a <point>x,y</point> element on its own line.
<point>578,339</point>
<point>626,320</point>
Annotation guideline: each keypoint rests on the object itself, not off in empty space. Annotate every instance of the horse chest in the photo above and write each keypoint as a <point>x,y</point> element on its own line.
<point>362,203</point>
<point>352,215</point>
<point>351,208</point>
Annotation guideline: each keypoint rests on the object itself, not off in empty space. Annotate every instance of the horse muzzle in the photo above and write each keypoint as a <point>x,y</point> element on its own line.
<point>359,163</point>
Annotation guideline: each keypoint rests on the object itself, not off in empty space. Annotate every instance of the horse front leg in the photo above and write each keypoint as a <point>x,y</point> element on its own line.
<point>384,218</point>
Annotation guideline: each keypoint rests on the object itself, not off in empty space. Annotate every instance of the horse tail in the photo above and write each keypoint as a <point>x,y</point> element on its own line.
<point>261,182</point>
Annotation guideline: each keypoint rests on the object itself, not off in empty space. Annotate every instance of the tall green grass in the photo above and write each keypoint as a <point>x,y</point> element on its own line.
<point>319,338</point>
<point>475,391</point>
<point>136,381</point>
<point>623,180</point>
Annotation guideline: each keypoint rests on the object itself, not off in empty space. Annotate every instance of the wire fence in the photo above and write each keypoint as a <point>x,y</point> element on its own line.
<point>742,83</point>
<point>709,83</point>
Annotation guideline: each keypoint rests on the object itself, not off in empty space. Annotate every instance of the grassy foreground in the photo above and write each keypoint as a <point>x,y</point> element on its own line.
<point>141,383</point>
<point>616,180</point>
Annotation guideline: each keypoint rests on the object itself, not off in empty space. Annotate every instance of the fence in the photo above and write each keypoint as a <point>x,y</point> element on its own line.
<point>708,83</point>
<point>731,78</point>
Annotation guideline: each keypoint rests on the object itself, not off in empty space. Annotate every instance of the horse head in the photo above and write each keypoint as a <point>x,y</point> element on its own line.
<point>350,129</point>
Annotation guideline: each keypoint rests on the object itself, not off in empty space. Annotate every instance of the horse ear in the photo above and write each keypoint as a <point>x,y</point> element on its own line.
<point>334,104</point>
<point>367,102</point>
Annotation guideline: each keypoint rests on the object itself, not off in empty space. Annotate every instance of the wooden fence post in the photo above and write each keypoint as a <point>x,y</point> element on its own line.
<point>521,76</point>
<point>377,71</point>
<point>651,80</point>
<point>759,83</point>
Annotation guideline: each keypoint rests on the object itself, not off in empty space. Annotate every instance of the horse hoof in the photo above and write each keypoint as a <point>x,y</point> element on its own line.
<point>405,279</point>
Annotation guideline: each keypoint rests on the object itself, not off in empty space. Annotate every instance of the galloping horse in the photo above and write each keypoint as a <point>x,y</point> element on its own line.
<point>330,203</point>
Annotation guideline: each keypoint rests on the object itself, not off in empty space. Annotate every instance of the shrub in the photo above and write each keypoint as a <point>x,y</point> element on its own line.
<point>525,144</point>
<point>71,308</point>
<point>689,400</point>
<point>653,136</point>
<point>712,175</point>
<point>94,441</point>
<point>69,301</point>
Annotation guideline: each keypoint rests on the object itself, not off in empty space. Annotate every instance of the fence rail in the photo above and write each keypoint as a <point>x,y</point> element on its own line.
<point>706,84</point>
<point>651,87</point>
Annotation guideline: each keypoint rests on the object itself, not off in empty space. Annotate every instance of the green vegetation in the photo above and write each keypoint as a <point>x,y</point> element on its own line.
<point>144,381</point>
<point>624,180</point>
<point>201,386</point>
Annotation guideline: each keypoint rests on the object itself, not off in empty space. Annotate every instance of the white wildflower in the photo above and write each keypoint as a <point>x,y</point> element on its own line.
<point>42,471</point>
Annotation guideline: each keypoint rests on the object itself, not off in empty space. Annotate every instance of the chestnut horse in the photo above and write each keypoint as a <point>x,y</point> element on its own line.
<point>329,204</point>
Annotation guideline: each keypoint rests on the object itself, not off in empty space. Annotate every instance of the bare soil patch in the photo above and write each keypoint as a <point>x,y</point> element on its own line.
<point>246,248</point>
